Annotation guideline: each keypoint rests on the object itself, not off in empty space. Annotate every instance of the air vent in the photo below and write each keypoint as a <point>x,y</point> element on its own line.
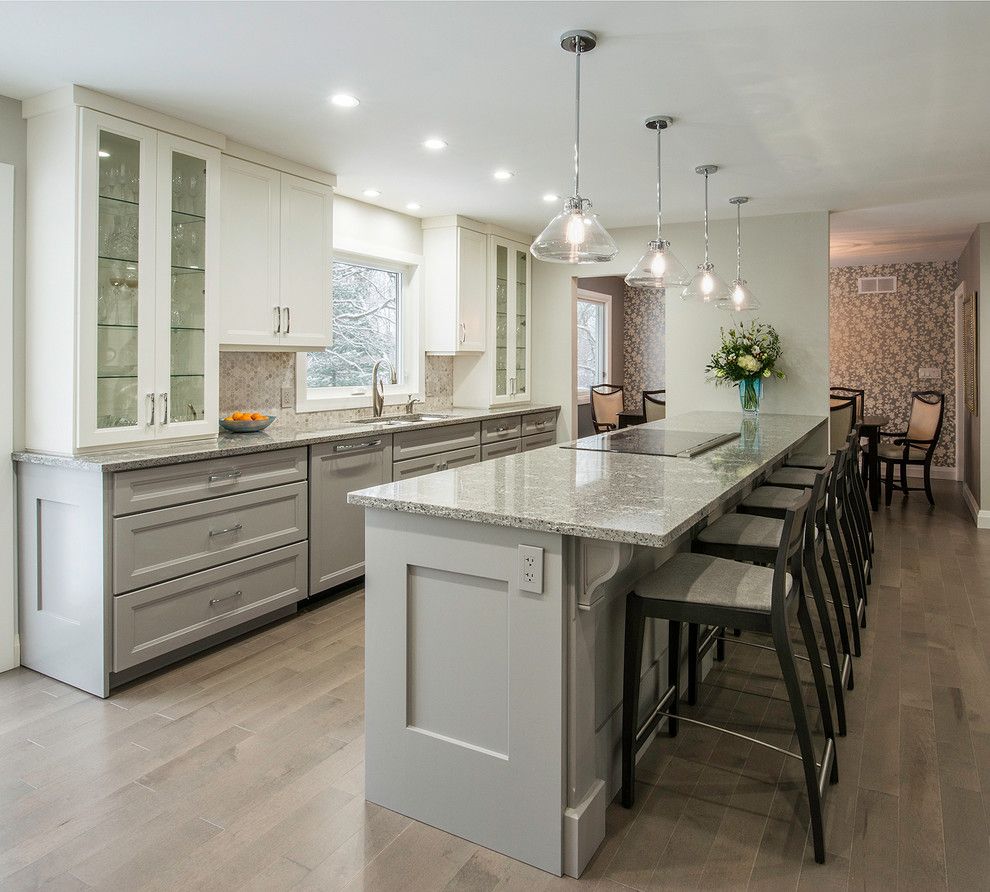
<point>878,285</point>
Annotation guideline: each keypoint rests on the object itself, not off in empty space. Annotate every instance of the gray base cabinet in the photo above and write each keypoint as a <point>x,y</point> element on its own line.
<point>336,528</point>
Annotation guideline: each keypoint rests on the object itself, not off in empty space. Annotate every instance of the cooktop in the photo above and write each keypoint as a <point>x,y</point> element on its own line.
<point>653,441</point>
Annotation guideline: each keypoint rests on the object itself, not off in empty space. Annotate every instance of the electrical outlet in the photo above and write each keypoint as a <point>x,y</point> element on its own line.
<point>531,569</point>
<point>288,397</point>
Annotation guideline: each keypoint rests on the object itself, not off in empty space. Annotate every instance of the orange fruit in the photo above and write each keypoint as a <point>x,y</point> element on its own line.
<point>257,416</point>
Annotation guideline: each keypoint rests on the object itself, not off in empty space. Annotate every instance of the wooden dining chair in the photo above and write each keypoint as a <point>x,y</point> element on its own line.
<point>654,405</point>
<point>606,404</point>
<point>916,445</point>
<point>845,393</point>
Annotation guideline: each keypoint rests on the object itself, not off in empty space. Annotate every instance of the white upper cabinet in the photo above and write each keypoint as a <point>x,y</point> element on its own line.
<point>456,274</point>
<point>275,269</point>
<point>122,327</point>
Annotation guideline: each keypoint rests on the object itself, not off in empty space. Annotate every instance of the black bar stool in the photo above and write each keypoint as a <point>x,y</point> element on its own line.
<point>705,590</point>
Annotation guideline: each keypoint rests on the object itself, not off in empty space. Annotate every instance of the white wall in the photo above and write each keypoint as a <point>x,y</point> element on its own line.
<point>785,260</point>
<point>12,160</point>
<point>356,223</point>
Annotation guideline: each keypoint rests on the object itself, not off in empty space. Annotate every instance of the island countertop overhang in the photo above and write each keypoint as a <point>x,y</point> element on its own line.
<point>636,499</point>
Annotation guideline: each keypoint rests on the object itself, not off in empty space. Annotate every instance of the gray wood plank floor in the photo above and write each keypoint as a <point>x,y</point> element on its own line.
<point>243,768</point>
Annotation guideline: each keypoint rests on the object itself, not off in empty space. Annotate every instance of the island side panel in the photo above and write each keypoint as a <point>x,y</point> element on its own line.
<point>464,687</point>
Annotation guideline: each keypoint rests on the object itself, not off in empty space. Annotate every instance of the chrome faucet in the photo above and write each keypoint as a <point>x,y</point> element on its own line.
<point>378,389</point>
<point>412,402</point>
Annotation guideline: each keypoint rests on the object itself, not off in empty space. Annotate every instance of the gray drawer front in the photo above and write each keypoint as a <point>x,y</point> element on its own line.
<point>538,441</point>
<point>150,488</point>
<point>157,620</point>
<point>539,423</point>
<point>417,467</point>
<point>497,450</point>
<point>160,545</point>
<point>416,444</point>
<point>495,430</point>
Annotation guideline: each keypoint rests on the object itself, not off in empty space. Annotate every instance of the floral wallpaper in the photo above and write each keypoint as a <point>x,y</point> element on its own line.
<point>643,336</point>
<point>879,342</point>
<point>255,381</point>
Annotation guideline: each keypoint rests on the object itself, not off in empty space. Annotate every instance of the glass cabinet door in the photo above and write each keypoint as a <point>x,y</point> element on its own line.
<point>502,322</point>
<point>520,372</point>
<point>119,292</point>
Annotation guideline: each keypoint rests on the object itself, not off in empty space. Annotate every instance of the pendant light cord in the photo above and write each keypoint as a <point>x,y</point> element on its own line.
<point>577,116</point>
<point>659,205</point>
<point>738,245</point>
<point>706,218</point>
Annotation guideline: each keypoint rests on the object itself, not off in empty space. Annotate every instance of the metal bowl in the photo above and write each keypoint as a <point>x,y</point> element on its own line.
<point>246,427</point>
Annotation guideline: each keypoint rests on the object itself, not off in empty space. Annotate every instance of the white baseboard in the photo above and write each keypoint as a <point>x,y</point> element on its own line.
<point>980,518</point>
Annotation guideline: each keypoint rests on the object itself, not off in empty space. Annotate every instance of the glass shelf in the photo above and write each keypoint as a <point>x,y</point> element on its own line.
<point>186,217</point>
<point>116,377</point>
<point>119,201</point>
<point>117,259</point>
<point>186,270</point>
<point>121,325</point>
<point>188,375</point>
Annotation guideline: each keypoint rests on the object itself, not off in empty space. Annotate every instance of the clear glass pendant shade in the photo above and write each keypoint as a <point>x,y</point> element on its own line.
<point>706,286</point>
<point>575,236</point>
<point>740,298</point>
<point>658,268</point>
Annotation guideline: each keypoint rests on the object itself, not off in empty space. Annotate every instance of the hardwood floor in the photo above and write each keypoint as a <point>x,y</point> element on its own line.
<point>242,768</point>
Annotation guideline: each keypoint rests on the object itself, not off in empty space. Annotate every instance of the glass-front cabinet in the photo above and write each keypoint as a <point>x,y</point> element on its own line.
<point>148,339</point>
<point>510,265</point>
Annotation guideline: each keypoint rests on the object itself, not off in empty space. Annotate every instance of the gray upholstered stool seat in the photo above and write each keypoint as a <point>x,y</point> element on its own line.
<point>772,498</point>
<point>808,459</point>
<point>793,477</point>
<point>700,579</point>
<point>746,530</point>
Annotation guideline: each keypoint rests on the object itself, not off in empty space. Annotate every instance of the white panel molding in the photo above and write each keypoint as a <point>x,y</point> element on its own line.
<point>9,644</point>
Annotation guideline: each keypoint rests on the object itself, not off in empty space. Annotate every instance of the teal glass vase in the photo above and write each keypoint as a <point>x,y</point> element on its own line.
<point>750,391</point>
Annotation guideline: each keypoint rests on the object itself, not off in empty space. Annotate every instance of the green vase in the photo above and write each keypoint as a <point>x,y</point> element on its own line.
<point>750,391</point>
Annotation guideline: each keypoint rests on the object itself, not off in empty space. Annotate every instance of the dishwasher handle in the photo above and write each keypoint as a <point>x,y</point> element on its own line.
<point>354,447</point>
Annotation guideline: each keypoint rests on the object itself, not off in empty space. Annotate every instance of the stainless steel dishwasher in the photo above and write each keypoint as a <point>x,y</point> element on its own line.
<point>336,529</point>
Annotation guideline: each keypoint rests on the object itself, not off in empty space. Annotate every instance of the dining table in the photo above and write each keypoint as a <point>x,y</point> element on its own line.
<point>629,419</point>
<point>870,427</point>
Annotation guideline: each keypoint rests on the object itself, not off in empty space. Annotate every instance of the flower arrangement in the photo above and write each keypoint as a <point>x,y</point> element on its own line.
<point>748,354</point>
<point>747,351</point>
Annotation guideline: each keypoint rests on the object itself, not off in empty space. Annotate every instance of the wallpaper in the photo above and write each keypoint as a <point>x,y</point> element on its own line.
<point>644,330</point>
<point>255,381</point>
<point>879,342</point>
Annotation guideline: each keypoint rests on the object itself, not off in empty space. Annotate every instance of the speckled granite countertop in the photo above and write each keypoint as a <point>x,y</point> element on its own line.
<point>155,454</point>
<point>640,499</point>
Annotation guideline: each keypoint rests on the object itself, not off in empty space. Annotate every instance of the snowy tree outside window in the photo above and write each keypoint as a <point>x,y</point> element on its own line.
<point>366,327</point>
<point>591,347</point>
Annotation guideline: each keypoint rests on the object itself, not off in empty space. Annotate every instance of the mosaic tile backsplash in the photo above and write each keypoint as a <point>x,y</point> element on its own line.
<point>255,381</point>
<point>643,336</point>
<point>878,342</point>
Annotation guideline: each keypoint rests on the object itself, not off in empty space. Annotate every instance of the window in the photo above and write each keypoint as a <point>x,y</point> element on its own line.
<point>367,302</point>
<point>593,322</point>
<point>375,316</point>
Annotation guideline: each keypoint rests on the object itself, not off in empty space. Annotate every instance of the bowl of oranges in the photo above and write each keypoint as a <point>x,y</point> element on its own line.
<point>246,422</point>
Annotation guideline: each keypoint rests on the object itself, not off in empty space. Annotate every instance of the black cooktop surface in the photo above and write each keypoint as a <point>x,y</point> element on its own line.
<point>654,441</point>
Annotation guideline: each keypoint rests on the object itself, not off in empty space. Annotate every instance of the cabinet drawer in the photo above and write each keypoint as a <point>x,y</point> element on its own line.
<point>539,423</point>
<point>157,620</point>
<point>495,430</point>
<point>160,545</point>
<point>150,488</point>
<point>417,467</point>
<point>415,444</point>
<point>497,450</point>
<point>538,441</point>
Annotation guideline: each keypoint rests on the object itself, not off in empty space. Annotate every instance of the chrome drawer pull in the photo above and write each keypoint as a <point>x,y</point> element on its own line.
<point>227,477</point>
<point>346,447</point>
<point>215,601</point>
<point>543,423</point>
<point>232,529</point>
<point>501,430</point>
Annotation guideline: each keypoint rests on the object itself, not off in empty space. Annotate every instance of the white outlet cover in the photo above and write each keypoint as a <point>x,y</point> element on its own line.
<point>531,569</point>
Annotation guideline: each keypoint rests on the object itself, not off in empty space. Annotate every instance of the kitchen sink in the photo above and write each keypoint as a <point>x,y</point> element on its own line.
<point>399,420</point>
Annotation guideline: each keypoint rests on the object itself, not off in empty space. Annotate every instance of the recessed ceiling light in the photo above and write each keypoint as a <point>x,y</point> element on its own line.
<point>103,154</point>
<point>412,206</point>
<point>435,143</point>
<point>372,193</point>
<point>551,197</point>
<point>345,100</point>
<point>502,174</point>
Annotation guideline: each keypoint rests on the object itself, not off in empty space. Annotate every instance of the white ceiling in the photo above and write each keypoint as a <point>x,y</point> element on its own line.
<point>876,111</point>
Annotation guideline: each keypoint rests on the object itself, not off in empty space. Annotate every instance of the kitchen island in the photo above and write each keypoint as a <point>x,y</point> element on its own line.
<point>494,616</point>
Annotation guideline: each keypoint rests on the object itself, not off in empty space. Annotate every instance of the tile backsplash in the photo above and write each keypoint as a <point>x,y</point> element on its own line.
<point>255,381</point>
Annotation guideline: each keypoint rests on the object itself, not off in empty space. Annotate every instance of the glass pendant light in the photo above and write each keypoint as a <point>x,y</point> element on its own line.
<point>705,285</point>
<point>740,298</point>
<point>658,267</point>
<point>575,235</point>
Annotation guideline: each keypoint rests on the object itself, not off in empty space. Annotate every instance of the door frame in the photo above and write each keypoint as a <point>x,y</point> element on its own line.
<point>958,297</point>
<point>9,657</point>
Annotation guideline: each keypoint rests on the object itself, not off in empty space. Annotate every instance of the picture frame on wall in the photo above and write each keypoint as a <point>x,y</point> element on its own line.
<point>970,347</point>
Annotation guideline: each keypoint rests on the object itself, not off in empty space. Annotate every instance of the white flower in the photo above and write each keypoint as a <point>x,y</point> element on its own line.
<point>748,363</point>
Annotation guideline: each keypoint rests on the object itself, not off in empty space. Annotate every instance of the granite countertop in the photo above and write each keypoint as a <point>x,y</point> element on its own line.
<point>639,499</point>
<point>227,444</point>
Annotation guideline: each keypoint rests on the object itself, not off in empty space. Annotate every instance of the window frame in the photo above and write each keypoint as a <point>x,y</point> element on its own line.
<point>411,356</point>
<point>598,297</point>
